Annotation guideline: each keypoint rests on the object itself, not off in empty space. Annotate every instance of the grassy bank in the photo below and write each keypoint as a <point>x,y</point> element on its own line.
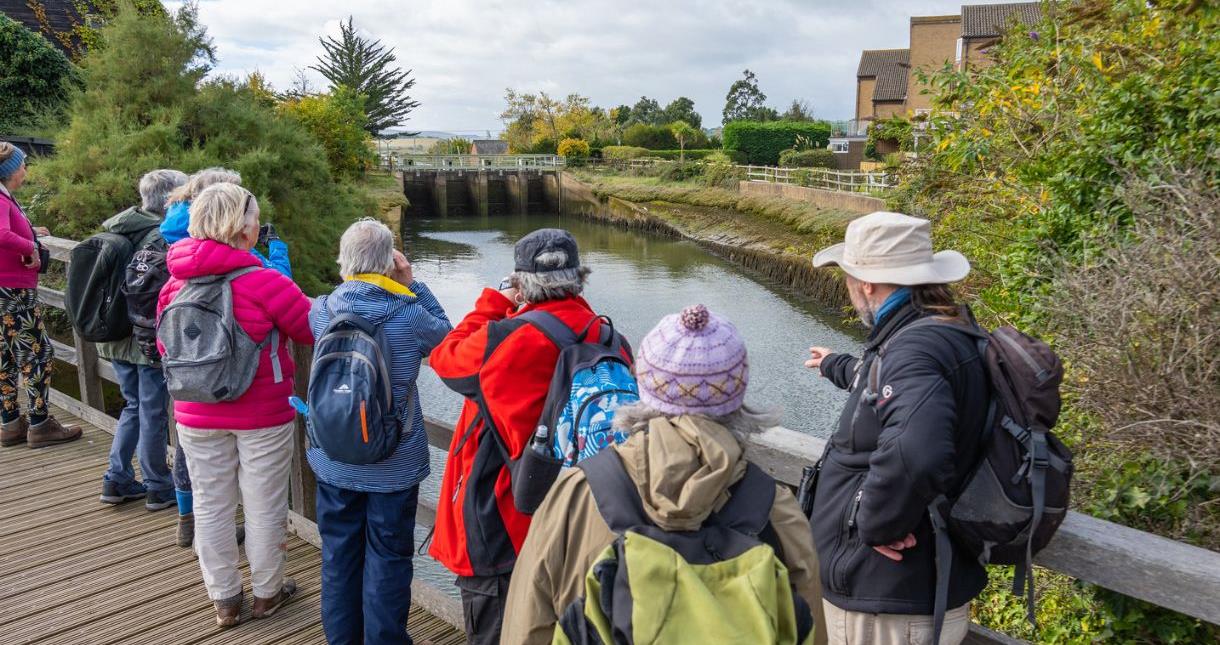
<point>771,236</point>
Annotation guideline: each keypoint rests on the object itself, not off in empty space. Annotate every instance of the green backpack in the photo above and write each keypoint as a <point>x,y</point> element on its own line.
<point>723,583</point>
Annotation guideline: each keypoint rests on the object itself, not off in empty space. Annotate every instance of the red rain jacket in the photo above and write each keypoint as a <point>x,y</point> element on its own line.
<point>478,529</point>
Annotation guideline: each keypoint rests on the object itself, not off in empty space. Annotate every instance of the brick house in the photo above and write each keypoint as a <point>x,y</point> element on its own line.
<point>881,84</point>
<point>983,24</point>
<point>933,45</point>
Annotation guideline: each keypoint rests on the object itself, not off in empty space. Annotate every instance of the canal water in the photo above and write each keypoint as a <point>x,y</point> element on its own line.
<point>638,278</point>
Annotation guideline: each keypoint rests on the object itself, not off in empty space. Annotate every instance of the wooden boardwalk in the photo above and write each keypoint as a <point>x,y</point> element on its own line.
<point>74,570</point>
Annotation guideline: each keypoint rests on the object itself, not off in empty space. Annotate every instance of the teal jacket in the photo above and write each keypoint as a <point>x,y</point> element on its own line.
<point>129,222</point>
<point>178,218</point>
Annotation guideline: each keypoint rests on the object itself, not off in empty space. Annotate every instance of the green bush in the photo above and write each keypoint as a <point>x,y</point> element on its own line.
<point>820,158</point>
<point>691,154</point>
<point>624,152</point>
<point>653,137</point>
<point>139,113</point>
<point>37,81</point>
<point>336,120</point>
<point>762,142</point>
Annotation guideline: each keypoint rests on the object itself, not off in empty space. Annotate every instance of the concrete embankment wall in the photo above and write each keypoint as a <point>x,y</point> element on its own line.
<point>828,199</point>
<point>792,271</point>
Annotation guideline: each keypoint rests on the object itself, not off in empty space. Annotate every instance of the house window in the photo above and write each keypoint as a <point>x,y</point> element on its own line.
<point>839,146</point>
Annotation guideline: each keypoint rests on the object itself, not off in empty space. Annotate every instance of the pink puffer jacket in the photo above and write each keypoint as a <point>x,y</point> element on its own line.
<point>261,300</point>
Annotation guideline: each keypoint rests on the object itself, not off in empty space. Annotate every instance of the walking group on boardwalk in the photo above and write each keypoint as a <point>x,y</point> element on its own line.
<point>597,490</point>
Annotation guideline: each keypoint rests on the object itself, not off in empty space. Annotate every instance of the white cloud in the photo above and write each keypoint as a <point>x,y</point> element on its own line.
<point>464,53</point>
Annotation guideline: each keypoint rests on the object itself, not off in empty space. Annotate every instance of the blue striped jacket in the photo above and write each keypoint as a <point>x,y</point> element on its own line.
<point>413,326</point>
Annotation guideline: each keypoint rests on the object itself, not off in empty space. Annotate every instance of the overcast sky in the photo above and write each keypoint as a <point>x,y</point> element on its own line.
<point>466,52</point>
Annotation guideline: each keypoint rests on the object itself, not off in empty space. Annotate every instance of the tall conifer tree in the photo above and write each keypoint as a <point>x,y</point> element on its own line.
<point>368,68</point>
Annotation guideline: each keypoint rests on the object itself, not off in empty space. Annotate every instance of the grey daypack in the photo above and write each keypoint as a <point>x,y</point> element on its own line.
<point>208,357</point>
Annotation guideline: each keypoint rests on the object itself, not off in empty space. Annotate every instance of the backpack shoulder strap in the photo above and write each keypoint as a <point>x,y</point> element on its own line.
<point>273,338</point>
<point>750,500</point>
<point>616,496</point>
<point>551,326</point>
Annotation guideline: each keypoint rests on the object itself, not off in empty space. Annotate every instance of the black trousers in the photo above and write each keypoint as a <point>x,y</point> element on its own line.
<point>483,600</point>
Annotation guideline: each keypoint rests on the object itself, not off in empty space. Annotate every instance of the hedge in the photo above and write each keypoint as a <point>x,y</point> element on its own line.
<point>762,142</point>
<point>820,158</point>
<point>694,154</point>
<point>624,152</point>
<point>653,137</point>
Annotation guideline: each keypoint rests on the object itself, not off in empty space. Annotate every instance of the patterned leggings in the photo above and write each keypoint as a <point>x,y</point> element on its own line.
<point>25,350</point>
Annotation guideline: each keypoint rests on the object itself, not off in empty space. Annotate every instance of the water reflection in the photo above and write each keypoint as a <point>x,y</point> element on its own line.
<point>637,278</point>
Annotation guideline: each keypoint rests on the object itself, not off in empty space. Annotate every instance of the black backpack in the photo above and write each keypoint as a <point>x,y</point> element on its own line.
<point>143,279</point>
<point>1014,497</point>
<point>94,299</point>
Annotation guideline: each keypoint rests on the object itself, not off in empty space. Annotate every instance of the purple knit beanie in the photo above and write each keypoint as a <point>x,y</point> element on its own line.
<point>693,363</point>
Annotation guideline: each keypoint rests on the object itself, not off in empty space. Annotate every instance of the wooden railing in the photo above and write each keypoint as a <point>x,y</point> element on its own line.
<point>848,181</point>
<point>1170,574</point>
<point>469,162</point>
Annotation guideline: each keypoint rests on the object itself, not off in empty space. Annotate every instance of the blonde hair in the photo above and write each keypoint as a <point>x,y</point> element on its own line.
<point>6,150</point>
<point>200,180</point>
<point>219,213</point>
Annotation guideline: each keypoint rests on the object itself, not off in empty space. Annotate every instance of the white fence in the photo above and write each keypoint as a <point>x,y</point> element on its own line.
<point>472,162</point>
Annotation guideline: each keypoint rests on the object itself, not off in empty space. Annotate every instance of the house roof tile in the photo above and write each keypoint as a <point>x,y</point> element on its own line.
<point>990,20</point>
<point>889,67</point>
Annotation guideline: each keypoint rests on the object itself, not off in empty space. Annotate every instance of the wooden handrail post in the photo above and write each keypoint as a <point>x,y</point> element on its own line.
<point>87,372</point>
<point>302,484</point>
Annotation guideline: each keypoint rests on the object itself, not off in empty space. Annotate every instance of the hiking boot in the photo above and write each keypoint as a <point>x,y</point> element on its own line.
<point>14,432</point>
<point>51,432</point>
<point>228,611</point>
<point>265,607</point>
<point>186,529</point>
<point>160,499</point>
<point>115,493</point>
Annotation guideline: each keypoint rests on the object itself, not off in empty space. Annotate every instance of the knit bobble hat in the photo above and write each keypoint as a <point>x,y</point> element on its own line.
<point>693,363</point>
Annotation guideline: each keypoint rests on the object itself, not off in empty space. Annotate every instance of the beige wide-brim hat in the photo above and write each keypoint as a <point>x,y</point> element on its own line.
<point>892,248</point>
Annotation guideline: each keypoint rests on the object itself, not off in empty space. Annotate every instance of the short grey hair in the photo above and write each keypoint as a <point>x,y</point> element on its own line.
<point>742,422</point>
<point>367,246</point>
<point>202,179</point>
<point>156,186</point>
<point>555,284</point>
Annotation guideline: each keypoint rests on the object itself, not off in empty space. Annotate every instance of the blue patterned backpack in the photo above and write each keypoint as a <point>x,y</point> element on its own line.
<point>591,381</point>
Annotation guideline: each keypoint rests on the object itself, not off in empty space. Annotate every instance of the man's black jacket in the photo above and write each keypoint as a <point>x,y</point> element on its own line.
<point>888,459</point>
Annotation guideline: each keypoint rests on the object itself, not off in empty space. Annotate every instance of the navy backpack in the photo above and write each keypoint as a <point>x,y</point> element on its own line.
<point>352,417</point>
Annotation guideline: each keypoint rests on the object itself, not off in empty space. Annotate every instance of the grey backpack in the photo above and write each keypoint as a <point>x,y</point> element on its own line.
<point>208,357</point>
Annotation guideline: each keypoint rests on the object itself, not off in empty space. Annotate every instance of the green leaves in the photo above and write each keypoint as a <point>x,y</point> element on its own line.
<point>763,142</point>
<point>368,69</point>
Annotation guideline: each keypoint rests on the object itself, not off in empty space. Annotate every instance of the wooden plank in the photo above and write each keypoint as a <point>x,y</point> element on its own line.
<point>93,416</point>
<point>60,247</point>
<point>51,297</point>
<point>302,484</point>
<point>64,352</point>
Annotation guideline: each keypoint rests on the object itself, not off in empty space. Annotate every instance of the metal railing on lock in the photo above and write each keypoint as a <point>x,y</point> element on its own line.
<point>1164,572</point>
<point>470,162</point>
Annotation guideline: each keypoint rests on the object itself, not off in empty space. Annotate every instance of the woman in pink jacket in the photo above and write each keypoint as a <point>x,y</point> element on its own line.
<point>241,448</point>
<point>25,349</point>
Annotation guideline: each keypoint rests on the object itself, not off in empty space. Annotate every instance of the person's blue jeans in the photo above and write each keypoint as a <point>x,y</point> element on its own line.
<point>143,427</point>
<point>367,543</point>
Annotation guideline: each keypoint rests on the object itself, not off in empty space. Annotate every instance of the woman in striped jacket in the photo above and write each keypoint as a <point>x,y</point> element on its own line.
<point>366,513</point>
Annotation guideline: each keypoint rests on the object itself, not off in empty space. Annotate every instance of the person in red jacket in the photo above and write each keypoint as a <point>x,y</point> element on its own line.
<point>479,531</point>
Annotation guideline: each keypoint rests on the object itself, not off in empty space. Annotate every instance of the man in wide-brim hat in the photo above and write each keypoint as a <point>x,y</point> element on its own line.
<point>908,431</point>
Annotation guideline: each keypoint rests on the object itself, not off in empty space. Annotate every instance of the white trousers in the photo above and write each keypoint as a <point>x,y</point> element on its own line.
<point>253,466</point>
<point>856,628</point>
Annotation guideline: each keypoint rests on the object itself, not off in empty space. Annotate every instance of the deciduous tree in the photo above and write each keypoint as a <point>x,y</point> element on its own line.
<point>683,109</point>
<point>746,102</point>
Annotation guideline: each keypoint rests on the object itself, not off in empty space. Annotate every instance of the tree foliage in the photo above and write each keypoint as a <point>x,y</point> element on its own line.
<point>746,102</point>
<point>368,68</point>
<point>799,110</point>
<point>139,113</point>
<point>682,109</point>
<point>683,133</point>
<point>538,122</point>
<point>574,148</point>
<point>454,146</point>
<point>37,83</point>
<point>336,120</point>
<point>84,20</point>
<point>647,111</point>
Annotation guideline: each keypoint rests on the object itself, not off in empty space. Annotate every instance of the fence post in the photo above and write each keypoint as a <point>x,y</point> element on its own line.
<point>86,372</point>
<point>302,484</point>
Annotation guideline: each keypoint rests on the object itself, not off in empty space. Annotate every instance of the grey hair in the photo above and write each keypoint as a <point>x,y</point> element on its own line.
<point>367,246</point>
<point>202,179</point>
<point>155,188</point>
<point>743,422</point>
<point>555,284</point>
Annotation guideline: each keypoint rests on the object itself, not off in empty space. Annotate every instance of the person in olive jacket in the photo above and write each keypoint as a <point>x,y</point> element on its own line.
<point>903,439</point>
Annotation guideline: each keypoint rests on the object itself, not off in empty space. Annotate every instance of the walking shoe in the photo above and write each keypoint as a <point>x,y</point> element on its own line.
<point>186,529</point>
<point>50,432</point>
<point>228,611</point>
<point>160,499</point>
<point>265,607</point>
<point>114,493</point>
<point>14,432</point>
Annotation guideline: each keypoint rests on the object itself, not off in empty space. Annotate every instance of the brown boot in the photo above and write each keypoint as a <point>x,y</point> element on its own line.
<point>228,611</point>
<point>51,432</point>
<point>14,432</point>
<point>265,607</point>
